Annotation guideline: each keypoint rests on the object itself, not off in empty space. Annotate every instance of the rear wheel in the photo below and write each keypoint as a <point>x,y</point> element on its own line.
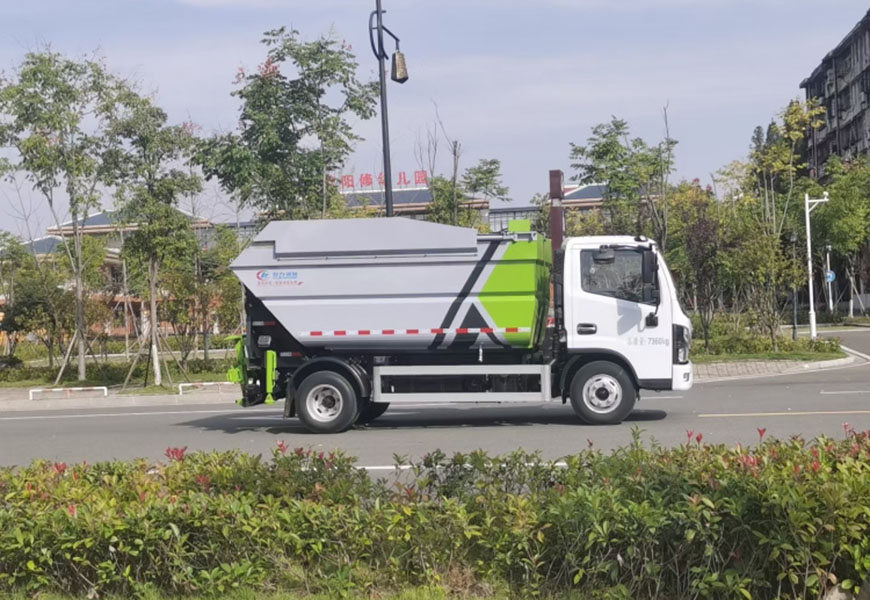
<point>602,393</point>
<point>326,402</point>
<point>372,411</point>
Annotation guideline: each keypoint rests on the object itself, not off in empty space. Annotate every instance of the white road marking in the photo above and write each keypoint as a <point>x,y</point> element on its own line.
<point>813,413</point>
<point>844,392</point>
<point>136,414</point>
<point>855,352</point>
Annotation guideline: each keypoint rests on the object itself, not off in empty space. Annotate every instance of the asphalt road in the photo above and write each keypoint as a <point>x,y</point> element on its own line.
<point>809,404</point>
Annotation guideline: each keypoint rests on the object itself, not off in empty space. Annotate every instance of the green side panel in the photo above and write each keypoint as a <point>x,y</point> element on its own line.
<point>517,294</point>
<point>520,226</point>
<point>271,375</point>
<point>239,373</point>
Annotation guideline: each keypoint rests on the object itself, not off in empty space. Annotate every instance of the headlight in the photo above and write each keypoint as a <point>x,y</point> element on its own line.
<point>682,340</point>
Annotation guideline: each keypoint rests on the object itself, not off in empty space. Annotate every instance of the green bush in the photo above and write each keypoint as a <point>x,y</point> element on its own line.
<point>781,519</point>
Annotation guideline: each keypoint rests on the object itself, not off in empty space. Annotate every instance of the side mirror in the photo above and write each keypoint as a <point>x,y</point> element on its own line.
<point>604,255</point>
<point>650,267</point>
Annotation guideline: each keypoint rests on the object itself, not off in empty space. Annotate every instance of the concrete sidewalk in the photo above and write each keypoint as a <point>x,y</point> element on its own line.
<point>724,371</point>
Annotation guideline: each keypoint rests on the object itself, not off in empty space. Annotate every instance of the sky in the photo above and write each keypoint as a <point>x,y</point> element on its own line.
<point>514,80</point>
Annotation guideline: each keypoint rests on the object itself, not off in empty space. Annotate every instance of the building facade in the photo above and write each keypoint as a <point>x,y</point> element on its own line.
<point>841,83</point>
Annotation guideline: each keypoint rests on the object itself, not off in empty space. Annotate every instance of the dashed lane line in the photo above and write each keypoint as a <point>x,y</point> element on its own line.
<point>795,413</point>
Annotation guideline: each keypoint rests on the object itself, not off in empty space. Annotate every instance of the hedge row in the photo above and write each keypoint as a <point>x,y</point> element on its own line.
<point>781,519</point>
<point>108,373</point>
<point>745,343</point>
<point>27,350</point>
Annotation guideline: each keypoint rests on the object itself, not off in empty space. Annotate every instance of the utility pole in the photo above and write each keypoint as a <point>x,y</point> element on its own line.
<point>809,205</point>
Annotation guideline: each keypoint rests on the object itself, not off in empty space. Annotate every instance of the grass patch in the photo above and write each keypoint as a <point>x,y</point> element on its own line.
<point>703,359</point>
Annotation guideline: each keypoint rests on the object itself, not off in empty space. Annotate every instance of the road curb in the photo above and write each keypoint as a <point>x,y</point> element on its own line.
<point>115,402</point>
<point>824,365</point>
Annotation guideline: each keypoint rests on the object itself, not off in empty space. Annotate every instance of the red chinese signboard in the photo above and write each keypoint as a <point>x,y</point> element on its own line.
<point>349,183</point>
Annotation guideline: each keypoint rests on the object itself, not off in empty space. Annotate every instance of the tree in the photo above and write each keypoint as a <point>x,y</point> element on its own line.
<point>12,260</point>
<point>700,252</point>
<point>485,179</point>
<point>151,158</point>
<point>290,136</point>
<point>55,117</point>
<point>42,306</point>
<point>450,204</point>
<point>844,221</point>
<point>776,163</point>
<point>634,175</point>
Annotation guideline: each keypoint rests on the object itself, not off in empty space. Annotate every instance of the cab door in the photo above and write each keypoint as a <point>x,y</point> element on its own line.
<point>608,310</point>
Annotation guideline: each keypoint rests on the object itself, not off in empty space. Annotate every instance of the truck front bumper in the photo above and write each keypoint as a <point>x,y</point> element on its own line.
<point>683,377</point>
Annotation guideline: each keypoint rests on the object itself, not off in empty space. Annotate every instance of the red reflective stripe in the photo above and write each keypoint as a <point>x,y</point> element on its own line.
<point>412,331</point>
<point>341,332</point>
<point>316,333</point>
<point>364,332</point>
<point>269,323</point>
<point>388,332</point>
<point>438,331</point>
<point>513,330</point>
<point>462,330</point>
<point>486,330</point>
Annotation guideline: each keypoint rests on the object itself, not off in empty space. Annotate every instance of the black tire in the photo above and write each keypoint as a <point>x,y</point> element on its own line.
<point>326,403</point>
<point>602,393</point>
<point>372,411</point>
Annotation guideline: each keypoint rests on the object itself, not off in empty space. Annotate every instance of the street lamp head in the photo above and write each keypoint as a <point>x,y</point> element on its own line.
<point>793,237</point>
<point>825,196</point>
<point>399,72</point>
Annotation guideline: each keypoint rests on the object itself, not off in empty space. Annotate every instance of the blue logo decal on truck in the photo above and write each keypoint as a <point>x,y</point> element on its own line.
<point>282,278</point>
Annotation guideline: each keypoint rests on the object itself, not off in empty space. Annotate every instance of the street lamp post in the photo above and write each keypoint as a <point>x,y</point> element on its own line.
<point>400,75</point>
<point>809,205</point>
<point>794,294</point>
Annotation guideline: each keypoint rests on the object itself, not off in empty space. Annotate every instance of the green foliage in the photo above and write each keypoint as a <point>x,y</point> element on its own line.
<point>634,174</point>
<point>485,179</point>
<point>844,221</point>
<point>42,305</point>
<point>290,135</point>
<point>57,114</point>
<point>450,204</point>
<point>779,519</point>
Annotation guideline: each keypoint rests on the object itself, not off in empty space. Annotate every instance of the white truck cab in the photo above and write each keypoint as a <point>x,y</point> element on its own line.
<point>620,301</point>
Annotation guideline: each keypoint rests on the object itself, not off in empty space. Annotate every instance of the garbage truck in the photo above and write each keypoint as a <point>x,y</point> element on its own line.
<point>346,318</point>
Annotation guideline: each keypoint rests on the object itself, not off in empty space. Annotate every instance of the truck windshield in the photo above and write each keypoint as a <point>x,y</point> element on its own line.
<point>622,278</point>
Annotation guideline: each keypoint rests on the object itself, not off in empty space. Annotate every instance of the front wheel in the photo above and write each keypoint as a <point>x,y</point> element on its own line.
<point>326,402</point>
<point>602,393</point>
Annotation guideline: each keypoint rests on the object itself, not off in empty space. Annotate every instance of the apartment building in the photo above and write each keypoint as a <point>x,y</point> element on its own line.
<point>842,84</point>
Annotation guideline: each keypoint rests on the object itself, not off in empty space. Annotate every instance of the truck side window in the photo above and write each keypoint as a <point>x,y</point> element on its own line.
<point>622,279</point>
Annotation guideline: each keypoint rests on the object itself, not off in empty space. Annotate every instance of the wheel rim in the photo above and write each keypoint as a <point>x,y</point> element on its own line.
<point>324,403</point>
<point>602,393</point>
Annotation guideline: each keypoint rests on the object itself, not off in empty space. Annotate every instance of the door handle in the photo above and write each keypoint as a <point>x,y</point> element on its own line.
<point>587,328</point>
